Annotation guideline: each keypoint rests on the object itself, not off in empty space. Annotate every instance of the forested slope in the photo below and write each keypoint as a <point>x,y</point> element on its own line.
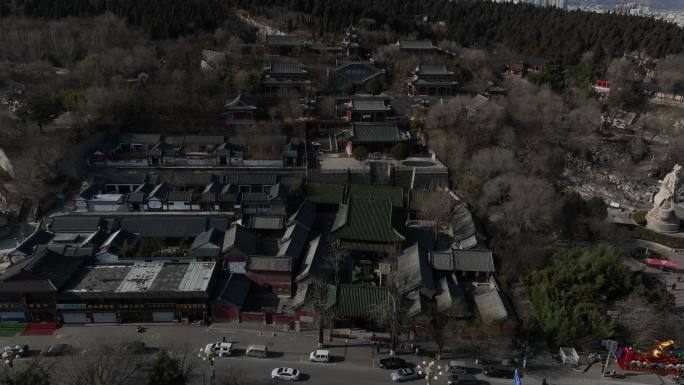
<point>537,31</point>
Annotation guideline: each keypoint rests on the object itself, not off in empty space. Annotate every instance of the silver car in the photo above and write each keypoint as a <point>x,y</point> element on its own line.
<point>405,374</point>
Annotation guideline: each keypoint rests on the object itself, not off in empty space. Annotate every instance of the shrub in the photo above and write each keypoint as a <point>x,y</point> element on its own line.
<point>400,151</point>
<point>360,154</point>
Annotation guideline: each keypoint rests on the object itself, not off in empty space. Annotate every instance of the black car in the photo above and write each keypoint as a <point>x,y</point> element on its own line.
<point>499,372</point>
<point>462,379</point>
<point>392,363</point>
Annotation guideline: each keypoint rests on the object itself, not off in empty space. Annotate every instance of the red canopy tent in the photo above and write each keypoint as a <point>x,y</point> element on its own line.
<point>661,263</point>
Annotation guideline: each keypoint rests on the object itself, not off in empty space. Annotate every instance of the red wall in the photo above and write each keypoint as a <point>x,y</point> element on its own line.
<point>281,282</point>
<point>253,317</point>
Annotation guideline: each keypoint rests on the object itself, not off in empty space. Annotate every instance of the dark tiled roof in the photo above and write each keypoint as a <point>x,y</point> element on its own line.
<point>135,197</point>
<point>140,138</point>
<point>332,194</point>
<point>358,301</point>
<point>294,241</point>
<point>235,290</point>
<point>240,102</point>
<point>366,220</point>
<point>285,68</point>
<point>278,190</point>
<point>254,198</point>
<point>284,40</point>
<point>241,238</point>
<point>376,132</point>
<point>45,265</point>
<point>179,196</point>
<point>38,237</point>
<point>261,263</point>
<point>433,70</point>
<point>256,179</point>
<point>211,238</point>
<point>118,241</point>
<point>75,224</point>
<point>369,105</point>
<point>417,44</point>
<point>165,226</point>
<point>305,215</point>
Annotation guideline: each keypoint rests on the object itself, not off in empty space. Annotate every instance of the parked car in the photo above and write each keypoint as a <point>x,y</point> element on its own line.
<point>499,372</point>
<point>287,374</point>
<point>18,350</point>
<point>462,379</point>
<point>405,374</point>
<point>320,356</point>
<point>259,351</point>
<point>222,349</point>
<point>392,363</point>
<point>58,350</point>
<point>457,367</point>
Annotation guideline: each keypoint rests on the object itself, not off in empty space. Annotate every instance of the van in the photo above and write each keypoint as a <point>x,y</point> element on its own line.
<point>259,351</point>
<point>320,356</point>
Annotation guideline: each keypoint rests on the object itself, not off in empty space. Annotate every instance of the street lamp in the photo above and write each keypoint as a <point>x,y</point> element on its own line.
<point>431,371</point>
<point>208,354</point>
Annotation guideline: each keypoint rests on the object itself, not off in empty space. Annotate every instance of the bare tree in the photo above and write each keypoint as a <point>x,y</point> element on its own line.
<point>102,365</point>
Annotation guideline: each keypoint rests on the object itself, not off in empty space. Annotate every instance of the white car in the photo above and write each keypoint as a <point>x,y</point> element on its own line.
<point>405,374</point>
<point>222,349</point>
<point>287,374</point>
<point>320,356</point>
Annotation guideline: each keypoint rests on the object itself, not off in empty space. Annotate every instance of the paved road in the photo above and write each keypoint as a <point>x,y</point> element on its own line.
<point>353,365</point>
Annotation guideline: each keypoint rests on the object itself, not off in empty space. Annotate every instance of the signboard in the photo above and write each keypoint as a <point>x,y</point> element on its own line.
<point>71,306</point>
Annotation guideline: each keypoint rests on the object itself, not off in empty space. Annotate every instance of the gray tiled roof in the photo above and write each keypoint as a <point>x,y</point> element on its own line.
<point>75,223</point>
<point>266,223</point>
<point>261,263</point>
<point>490,305</point>
<point>376,132</point>
<point>415,272</point>
<point>463,260</point>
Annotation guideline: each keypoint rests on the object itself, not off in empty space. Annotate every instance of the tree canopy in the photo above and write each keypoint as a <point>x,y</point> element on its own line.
<point>555,34</point>
<point>162,18</point>
<point>571,294</point>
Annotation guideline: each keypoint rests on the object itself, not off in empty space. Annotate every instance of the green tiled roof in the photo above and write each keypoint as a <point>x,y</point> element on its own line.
<point>332,194</point>
<point>367,246</point>
<point>376,132</point>
<point>365,220</point>
<point>324,193</point>
<point>359,301</point>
